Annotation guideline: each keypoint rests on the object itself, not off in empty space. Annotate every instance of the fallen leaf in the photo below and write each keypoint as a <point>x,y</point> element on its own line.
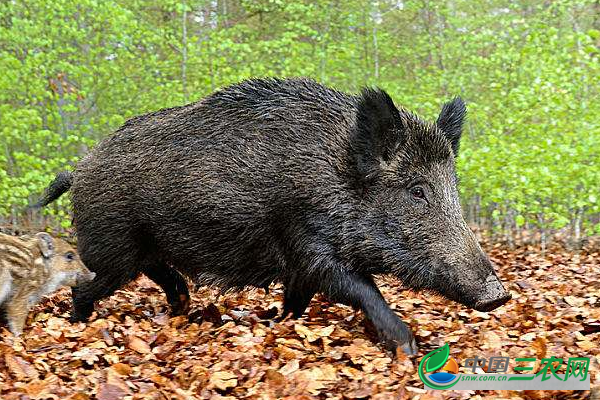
<point>223,380</point>
<point>21,369</point>
<point>290,367</point>
<point>574,301</point>
<point>110,392</point>
<point>139,345</point>
<point>122,369</point>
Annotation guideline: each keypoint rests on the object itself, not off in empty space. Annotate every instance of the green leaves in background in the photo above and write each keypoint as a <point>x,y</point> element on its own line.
<point>73,71</point>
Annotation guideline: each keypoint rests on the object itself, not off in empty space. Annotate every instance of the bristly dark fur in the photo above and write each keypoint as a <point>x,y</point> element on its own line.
<point>451,121</point>
<point>281,180</point>
<point>378,132</point>
<point>379,124</point>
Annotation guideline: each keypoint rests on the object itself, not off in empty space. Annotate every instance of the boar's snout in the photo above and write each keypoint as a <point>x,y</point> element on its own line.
<point>493,294</point>
<point>476,284</point>
<point>489,305</point>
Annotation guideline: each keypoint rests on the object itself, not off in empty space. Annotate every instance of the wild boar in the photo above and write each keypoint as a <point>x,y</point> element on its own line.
<point>281,180</point>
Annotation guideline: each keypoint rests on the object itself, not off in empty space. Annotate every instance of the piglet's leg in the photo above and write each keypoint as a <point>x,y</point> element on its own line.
<point>17,309</point>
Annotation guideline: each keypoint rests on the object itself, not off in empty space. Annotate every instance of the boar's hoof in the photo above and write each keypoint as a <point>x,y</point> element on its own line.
<point>181,306</point>
<point>82,310</point>
<point>410,349</point>
<point>402,338</point>
<point>77,318</point>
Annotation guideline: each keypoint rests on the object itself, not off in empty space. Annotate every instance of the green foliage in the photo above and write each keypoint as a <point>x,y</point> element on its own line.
<point>73,71</point>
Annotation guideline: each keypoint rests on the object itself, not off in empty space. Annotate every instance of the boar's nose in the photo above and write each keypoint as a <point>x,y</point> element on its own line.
<point>493,294</point>
<point>489,305</point>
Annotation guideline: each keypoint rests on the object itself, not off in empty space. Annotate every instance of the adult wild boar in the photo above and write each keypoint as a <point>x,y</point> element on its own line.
<point>281,180</point>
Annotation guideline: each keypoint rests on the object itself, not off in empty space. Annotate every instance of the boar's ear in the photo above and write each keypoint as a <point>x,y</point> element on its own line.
<point>451,121</point>
<point>379,130</point>
<point>46,244</point>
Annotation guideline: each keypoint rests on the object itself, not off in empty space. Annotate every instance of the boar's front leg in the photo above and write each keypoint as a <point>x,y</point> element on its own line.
<point>359,291</point>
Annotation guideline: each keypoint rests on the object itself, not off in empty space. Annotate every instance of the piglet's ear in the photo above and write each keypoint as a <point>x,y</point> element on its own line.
<point>46,244</point>
<point>451,121</point>
<point>379,130</point>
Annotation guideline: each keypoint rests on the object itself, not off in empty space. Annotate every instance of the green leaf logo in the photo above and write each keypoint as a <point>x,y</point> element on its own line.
<point>432,361</point>
<point>437,358</point>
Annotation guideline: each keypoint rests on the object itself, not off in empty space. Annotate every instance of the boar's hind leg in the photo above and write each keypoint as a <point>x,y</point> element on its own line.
<point>107,281</point>
<point>361,292</point>
<point>174,286</point>
<point>114,268</point>
<point>296,300</point>
<point>82,305</point>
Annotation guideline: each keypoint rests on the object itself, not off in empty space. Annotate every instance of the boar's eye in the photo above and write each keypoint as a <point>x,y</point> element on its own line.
<point>417,192</point>
<point>70,256</point>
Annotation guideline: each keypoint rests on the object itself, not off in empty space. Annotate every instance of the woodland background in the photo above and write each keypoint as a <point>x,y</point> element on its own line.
<point>74,71</point>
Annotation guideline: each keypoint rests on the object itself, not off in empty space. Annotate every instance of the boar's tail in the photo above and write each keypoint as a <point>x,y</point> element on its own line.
<point>59,185</point>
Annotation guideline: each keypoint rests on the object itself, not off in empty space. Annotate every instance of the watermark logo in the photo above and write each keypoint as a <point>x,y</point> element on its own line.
<point>439,360</point>
<point>439,371</point>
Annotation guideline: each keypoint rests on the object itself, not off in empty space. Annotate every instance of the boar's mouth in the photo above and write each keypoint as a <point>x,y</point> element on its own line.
<point>471,291</point>
<point>479,304</point>
<point>489,305</point>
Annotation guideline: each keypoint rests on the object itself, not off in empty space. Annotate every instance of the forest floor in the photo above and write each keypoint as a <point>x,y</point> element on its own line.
<point>230,347</point>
